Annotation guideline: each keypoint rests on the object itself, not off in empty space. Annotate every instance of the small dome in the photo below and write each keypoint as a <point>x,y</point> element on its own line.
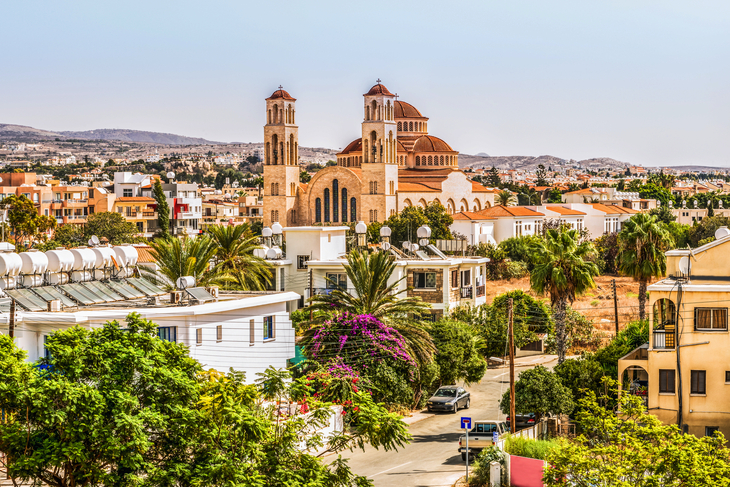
<point>379,90</point>
<point>354,146</point>
<point>406,110</point>
<point>280,93</point>
<point>429,143</point>
<point>401,147</point>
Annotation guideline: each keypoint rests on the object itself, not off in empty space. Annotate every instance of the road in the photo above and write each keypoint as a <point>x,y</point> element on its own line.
<point>432,458</point>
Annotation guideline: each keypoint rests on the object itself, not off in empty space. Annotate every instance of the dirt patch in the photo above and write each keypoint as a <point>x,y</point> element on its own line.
<point>596,304</point>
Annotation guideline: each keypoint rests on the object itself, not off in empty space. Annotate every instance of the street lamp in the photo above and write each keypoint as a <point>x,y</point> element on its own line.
<point>424,233</point>
<point>361,230</point>
<point>277,231</point>
<point>385,237</point>
<point>266,234</point>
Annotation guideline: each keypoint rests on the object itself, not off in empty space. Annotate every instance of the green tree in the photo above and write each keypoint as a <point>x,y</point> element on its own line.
<point>234,255</point>
<point>555,196</point>
<point>642,243</point>
<point>404,225</point>
<point>163,211</point>
<point>659,193</point>
<point>505,198</point>
<point>706,229</point>
<point>562,269</point>
<point>69,236</point>
<point>304,176</point>
<point>626,446</point>
<point>541,176</point>
<point>231,175</point>
<point>580,375</point>
<point>112,226</point>
<point>458,352</point>
<point>663,214</point>
<point>101,410</point>
<point>538,390</point>
<point>372,294</point>
<point>493,178</point>
<point>177,258</point>
<point>26,225</point>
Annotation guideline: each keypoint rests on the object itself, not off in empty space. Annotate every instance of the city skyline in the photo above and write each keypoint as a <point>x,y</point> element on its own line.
<point>643,84</point>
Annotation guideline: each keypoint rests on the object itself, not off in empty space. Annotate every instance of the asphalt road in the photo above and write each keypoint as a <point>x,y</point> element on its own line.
<point>432,459</point>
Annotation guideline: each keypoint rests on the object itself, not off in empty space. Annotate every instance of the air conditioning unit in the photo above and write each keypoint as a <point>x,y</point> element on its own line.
<point>54,305</point>
<point>213,290</point>
<point>175,297</point>
<point>196,302</point>
<point>153,301</point>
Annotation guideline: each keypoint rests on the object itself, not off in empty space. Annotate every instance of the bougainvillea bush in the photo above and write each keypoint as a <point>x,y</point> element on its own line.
<point>365,347</point>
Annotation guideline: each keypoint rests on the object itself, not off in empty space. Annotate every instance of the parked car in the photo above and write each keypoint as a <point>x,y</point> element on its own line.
<point>481,436</point>
<point>449,398</point>
<point>523,421</point>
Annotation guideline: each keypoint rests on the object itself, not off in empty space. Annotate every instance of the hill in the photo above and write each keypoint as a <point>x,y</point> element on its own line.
<point>530,163</point>
<point>22,133</point>
<point>138,136</point>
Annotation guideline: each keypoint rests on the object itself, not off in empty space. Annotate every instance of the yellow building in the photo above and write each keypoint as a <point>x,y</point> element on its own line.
<point>140,210</point>
<point>684,370</point>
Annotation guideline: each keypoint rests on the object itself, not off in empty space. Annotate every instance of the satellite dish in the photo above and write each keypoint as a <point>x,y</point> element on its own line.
<point>170,175</point>
<point>684,265</point>
<point>722,232</point>
<point>93,241</point>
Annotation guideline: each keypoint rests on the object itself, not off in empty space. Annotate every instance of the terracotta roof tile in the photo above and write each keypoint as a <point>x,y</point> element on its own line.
<point>406,110</point>
<point>281,94</point>
<point>564,211</point>
<point>480,188</point>
<point>469,215</point>
<point>379,89</point>
<point>136,199</point>
<point>416,188</point>
<point>429,143</point>
<point>507,211</point>
<point>145,254</point>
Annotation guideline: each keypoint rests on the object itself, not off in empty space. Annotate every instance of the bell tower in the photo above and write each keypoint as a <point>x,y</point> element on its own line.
<point>281,159</point>
<point>379,155</point>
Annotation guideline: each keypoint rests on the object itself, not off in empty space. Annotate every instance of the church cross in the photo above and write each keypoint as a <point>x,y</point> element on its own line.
<point>378,81</point>
<point>280,87</point>
<point>396,97</point>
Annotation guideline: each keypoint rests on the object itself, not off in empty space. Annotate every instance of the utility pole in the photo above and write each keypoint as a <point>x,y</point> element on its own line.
<point>615,304</point>
<point>512,416</point>
<point>11,322</point>
<point>311,313</point>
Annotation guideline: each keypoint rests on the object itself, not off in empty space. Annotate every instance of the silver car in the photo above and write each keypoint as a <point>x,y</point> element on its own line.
<point>449,398</point>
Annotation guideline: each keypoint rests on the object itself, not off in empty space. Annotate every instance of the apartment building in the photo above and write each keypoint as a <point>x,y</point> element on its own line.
<point>683,373</point>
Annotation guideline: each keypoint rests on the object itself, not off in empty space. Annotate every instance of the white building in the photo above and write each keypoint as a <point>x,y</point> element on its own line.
<point>498,223</point>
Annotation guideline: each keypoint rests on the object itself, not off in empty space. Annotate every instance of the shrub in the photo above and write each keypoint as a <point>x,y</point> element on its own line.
<point>529,448</point>
<point>595,303</point>
<point>480,472</point>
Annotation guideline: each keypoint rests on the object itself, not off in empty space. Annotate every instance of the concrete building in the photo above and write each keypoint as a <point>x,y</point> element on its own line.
<point>683,373</point>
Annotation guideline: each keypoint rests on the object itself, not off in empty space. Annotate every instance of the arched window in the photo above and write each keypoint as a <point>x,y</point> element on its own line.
<point>430,160</point>
<point>418,160</point>
<point>318,210</point>
<point>410,126</point>
<point>344,205</point>
<point>442,160</point>
<point>269,117</point>
<point>353,209</point>
<point>374,110</point>
<point>400,125</point>
<point>326,204</point>
<point>293,217</point>
<point>293,191</point>
<point>335,200</point>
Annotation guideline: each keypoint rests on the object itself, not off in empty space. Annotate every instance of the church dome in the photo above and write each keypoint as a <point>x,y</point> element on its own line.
<point>354,146</point>
<point>406,110</point>
<point>280,93</point>
<point>429,143</point>
<point>379,89</point>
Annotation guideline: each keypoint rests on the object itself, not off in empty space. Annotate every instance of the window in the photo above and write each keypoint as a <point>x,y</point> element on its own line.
<point>302,261</point>
<point>518,228</point>
<point>727,376</point>
<point>465,278</point>
<point>353,209</point>
<point>344,205</point>
<point>318,210</point>
<point>219,333</point>
<point>167,333</point>
<point>326,204</point>
<point>424,280</point>
<point>454,278</point>
<point>199,336</point>
<point>666,381</point>
<point>46,353</point>
<point>336,280</point>
<point>335,200</point>
<point>127,193</point>
<point>714,319</point>
<point>269,330</point>
<point>710,430</point>
<point>697,385</point>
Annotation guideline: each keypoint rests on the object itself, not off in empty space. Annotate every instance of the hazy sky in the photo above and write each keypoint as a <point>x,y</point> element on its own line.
<point>646,82</point>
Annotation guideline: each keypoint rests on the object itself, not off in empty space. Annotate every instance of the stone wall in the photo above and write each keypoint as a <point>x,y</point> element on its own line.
<point>429,296</point>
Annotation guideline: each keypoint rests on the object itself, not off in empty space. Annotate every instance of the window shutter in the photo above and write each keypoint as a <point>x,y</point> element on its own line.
<point>252,330</point>
<point>273,326</point>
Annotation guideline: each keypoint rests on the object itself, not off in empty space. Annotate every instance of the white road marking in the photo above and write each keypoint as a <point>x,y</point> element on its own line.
<point>391,469</point>
<point>500,375</point>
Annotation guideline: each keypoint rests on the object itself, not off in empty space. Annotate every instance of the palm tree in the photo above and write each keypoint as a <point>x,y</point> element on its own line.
<point>563,271</point>
<point>369,275</point>
<point>177,258</point>
<point>642,244</point>
<point>505,198</point>
<point>234,255</point>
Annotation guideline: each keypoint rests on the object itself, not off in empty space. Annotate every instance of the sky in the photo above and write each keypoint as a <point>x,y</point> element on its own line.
<point>642,81</point>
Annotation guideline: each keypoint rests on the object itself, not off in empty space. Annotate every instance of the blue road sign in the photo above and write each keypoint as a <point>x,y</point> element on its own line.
<point>465,423</point>
<point>495,436</point>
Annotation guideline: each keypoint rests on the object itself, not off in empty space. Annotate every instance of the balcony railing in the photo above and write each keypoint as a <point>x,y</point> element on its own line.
<point>663,339</point>
<point>467,292</point>
<point>481,291</point>
<point>322,291</point>
<point>149,214</point>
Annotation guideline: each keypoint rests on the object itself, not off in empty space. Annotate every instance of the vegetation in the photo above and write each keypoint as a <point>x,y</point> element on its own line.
<point>480,476</point>
<point>185,257</point>
<point>111,226</point>
<point>403,225</point>
<point>539,391</point>
<point>581,374</point>
<point>26,225</point>
<point>529,448</point>
<point>234,257</point>
<point>562,269</point>
<point>701,231</point>
<point>642,243</point>
<point>499,266</point>
<point>505,198</point>
<point>163,211</point>
<point>634,448</point>
<point>458,354</point>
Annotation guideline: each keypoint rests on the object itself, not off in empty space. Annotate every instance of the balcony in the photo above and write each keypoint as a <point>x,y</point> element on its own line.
<point>664,340</point>
<point>186,215</point>
<point>318,291</point>
<point>481,291</point>
<point>467,292</point>
<point>147,214</point>
<point>75,203</point>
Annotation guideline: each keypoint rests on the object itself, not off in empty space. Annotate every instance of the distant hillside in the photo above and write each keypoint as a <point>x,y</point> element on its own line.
<point>530,163</point>
<point>138,136</point>
<point>21,133</point>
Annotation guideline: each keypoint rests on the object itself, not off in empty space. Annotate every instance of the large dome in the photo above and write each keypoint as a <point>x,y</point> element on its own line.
<point>354,146</point>
<point>379,90</point>
<point>429,143</point>
<point>281,94</point>
<point>406,110</point>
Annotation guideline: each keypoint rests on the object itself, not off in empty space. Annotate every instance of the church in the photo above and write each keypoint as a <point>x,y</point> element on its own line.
<point>395,163</point>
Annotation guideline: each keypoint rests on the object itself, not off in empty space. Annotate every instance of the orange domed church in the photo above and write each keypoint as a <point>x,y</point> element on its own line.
<point>394,164</point>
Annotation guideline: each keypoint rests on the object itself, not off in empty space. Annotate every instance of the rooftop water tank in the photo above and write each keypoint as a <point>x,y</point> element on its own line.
<point>84,258</point>
<point>185,282</point>
<point>7,283</point>
<point>274,253</point>
<point>126,255</point>
<point>103,256</point>
<point>10,264</point>
<point>57,278</point>
<point>34,262</point>
<point>60,260</point>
